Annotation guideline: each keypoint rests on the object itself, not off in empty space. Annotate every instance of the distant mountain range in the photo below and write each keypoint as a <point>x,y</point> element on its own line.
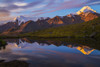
<point>23,24</point>
<point>22,19</point>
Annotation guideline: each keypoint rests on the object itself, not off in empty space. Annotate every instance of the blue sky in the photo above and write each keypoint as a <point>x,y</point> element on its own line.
<point>43,8</point>
<point>64,12</point>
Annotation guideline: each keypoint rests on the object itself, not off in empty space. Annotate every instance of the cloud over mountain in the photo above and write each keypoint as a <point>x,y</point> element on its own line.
<point>38,7</point>
<point>4,13</point>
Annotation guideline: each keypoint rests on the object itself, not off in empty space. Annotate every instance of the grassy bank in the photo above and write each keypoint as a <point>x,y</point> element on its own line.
<point>93,43</point>
<point>86,29</point>
<point>2,42</point>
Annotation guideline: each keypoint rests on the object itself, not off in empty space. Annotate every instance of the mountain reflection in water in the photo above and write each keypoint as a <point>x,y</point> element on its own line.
<point>42,53</point>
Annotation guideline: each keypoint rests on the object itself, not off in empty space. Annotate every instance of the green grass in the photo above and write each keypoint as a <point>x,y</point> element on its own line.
<point>2,44</point>
<point>75,30</point>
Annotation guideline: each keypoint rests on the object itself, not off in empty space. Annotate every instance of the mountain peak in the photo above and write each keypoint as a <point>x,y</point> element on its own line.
<point>23,19</point>
<point>20,19</point>
<point>86,9</point>
<point>21,16</point>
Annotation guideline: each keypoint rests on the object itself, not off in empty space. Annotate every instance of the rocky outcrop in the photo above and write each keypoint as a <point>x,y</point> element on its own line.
<point>87,16</point>
<point>7,26</point>
<point>56,20</point>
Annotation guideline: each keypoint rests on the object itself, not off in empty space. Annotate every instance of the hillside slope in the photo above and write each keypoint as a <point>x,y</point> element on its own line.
<point>86,29</point>
<point>23,24</point>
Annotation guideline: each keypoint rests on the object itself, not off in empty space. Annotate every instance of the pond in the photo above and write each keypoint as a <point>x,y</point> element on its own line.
<point>50,53</point>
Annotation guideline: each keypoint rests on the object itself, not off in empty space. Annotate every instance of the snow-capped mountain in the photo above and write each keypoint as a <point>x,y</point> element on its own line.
<point>22,19</point>
<point>38,23</point>
<point>86,9</point>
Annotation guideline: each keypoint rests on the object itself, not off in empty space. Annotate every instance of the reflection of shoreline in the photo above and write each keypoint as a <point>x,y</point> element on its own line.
<point>24,43</point>
<point>41,53</point>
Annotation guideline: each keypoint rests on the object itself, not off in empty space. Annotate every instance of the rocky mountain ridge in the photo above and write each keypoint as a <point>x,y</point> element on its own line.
<point>19,26</point>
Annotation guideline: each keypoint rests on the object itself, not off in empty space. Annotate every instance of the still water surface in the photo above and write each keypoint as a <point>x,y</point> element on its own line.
<point>50,53</point>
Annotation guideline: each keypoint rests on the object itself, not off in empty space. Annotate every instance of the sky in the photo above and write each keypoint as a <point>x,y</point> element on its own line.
<point>43,8</point>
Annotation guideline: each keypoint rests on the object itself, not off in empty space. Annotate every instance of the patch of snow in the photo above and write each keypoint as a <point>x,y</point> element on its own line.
<point>71,15</point>
<point>22,19</point>
<point>86,9</point>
